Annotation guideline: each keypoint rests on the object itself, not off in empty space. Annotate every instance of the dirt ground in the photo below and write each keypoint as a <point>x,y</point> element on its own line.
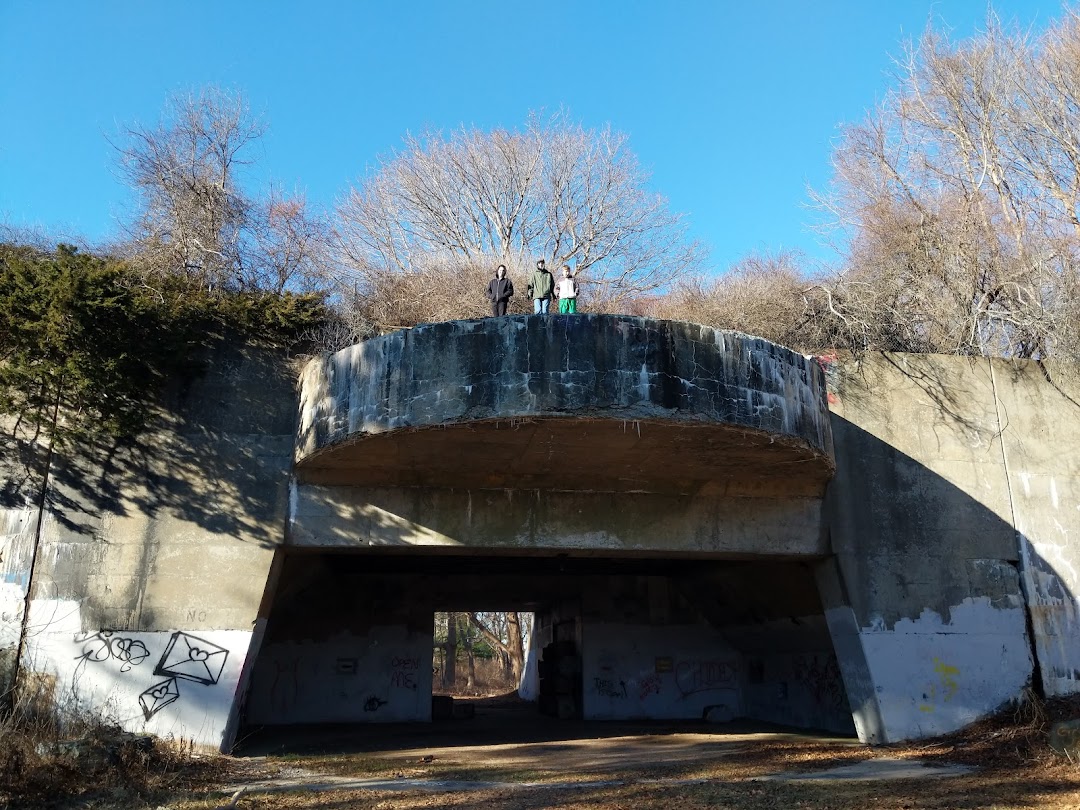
<point>505,757</point>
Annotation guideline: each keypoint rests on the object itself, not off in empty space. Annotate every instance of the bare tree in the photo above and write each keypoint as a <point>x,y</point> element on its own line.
<point>552,189</point>
<point>759,295</point>
<point>960,196</point>
<point>504,632</point>
<point>195,218</point>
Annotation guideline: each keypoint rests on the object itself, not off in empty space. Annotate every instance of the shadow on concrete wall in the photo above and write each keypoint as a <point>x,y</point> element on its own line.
<point>929,556</point>
<point>218,458</point>
<point>911,541</point>
<point>209,477</point>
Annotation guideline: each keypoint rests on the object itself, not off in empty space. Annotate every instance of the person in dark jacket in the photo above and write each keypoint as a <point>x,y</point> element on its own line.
<point>541,288</point>
<point>500,290</point>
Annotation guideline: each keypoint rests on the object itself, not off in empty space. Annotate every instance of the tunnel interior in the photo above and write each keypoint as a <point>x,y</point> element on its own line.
<point>349,637</point>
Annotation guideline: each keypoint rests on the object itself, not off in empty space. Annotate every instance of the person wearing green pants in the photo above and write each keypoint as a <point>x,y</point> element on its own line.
<point>567,292</point>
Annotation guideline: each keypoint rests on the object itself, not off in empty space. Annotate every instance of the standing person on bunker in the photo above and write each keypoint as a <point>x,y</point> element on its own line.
<point>541,287</point>
<point>567,292</point>
<point>499,292</point>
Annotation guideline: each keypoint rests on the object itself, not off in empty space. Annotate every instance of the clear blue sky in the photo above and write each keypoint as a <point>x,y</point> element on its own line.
<point>731,104</point>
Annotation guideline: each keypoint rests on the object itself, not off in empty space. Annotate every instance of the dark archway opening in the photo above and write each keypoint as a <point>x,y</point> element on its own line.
<point>618,638</point>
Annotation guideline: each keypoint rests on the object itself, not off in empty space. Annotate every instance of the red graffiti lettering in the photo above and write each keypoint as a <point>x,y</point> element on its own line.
<point>649,685</point>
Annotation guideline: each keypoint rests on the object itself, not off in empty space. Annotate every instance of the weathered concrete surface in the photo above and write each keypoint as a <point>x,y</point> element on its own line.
<point>356,517</point>
<point>874,770</point>
<point>594,402</point>
<point>22,464</point>
<point>382,676</point>
<point>956,493</point>
<point>925,607</point>
<point>1040,446</point>
<point>154,559</point>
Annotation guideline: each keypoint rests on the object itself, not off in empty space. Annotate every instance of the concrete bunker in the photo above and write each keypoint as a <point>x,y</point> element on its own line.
<point>652,490</point>
<point>943,554</point>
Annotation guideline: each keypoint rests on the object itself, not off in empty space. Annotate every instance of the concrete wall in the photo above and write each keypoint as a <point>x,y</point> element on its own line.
<point>1040,445</point>
<point>381,676</point>
<point>925,602</point>
<point>950,527</point>
<point>22,464</point>
<point>180,684</point>
<point>658,672</point>
<point>617,367</point>
<point>357,517</point>
<point>771,614</point>
<point>343,645</point>
<point>803,689</point>
<point>153,559</point>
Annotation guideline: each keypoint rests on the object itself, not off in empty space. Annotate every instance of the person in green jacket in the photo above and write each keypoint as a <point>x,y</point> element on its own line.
<point>541,286</point>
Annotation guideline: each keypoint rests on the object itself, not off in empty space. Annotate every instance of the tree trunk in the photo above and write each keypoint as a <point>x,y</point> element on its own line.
<point>471,684</point>
<point>450,665</point>
<point>515,648</point>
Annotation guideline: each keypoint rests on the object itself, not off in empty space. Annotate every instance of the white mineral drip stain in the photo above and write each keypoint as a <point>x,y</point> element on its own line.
<point>1053,493</point>
<point>369,387</point>
<point>294,500</point>
<point>14,521</point>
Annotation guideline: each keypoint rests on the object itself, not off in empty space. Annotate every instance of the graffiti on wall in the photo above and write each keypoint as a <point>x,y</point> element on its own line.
<point>285,687</point>
<point>104,644</point>
<point>403,672</point>
<point>609,688</point>
<point>942,687</point>
<point>821,679</point>
<point>828,365</point>
<point>185,658</point>
<point>158,696</point>
<point>704,675</point>
<point>649,685</point>
<point>190,658</point>
<point>374,703</point>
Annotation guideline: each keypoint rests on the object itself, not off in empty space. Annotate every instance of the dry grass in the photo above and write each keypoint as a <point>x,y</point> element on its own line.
<point>47,765</point>
<point>1017,771</point>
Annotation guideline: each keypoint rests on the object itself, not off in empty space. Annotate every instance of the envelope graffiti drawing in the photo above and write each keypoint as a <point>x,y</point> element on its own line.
<point>158,696</point>
<point>192,659</point>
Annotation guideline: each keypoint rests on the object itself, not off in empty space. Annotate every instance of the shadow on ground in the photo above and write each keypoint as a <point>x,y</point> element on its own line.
<point>499,722</point>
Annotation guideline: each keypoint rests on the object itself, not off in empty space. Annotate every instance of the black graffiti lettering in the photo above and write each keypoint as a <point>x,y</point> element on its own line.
<point>103,645</point>
<point>606,687</point>
<point>373,704</point>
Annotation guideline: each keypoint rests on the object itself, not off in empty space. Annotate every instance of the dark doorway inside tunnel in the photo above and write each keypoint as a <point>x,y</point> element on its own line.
<point>350,640</point>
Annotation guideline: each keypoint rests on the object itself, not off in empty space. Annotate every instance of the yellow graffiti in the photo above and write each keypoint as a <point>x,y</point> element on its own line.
<point>948,677</point>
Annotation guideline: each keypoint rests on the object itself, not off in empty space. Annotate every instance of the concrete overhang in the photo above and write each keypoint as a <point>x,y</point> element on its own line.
<point>568,402</point>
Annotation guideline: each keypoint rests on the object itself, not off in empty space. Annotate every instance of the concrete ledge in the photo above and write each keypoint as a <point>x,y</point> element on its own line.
<point>601,402</point>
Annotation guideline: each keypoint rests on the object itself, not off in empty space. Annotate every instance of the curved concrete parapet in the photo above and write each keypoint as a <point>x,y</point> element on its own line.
<point>584,401</point>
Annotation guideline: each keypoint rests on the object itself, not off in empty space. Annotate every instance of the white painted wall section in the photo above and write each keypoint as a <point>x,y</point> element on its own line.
<point>17,529</point>
<point>176,684</point>
<point>933,676</point>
